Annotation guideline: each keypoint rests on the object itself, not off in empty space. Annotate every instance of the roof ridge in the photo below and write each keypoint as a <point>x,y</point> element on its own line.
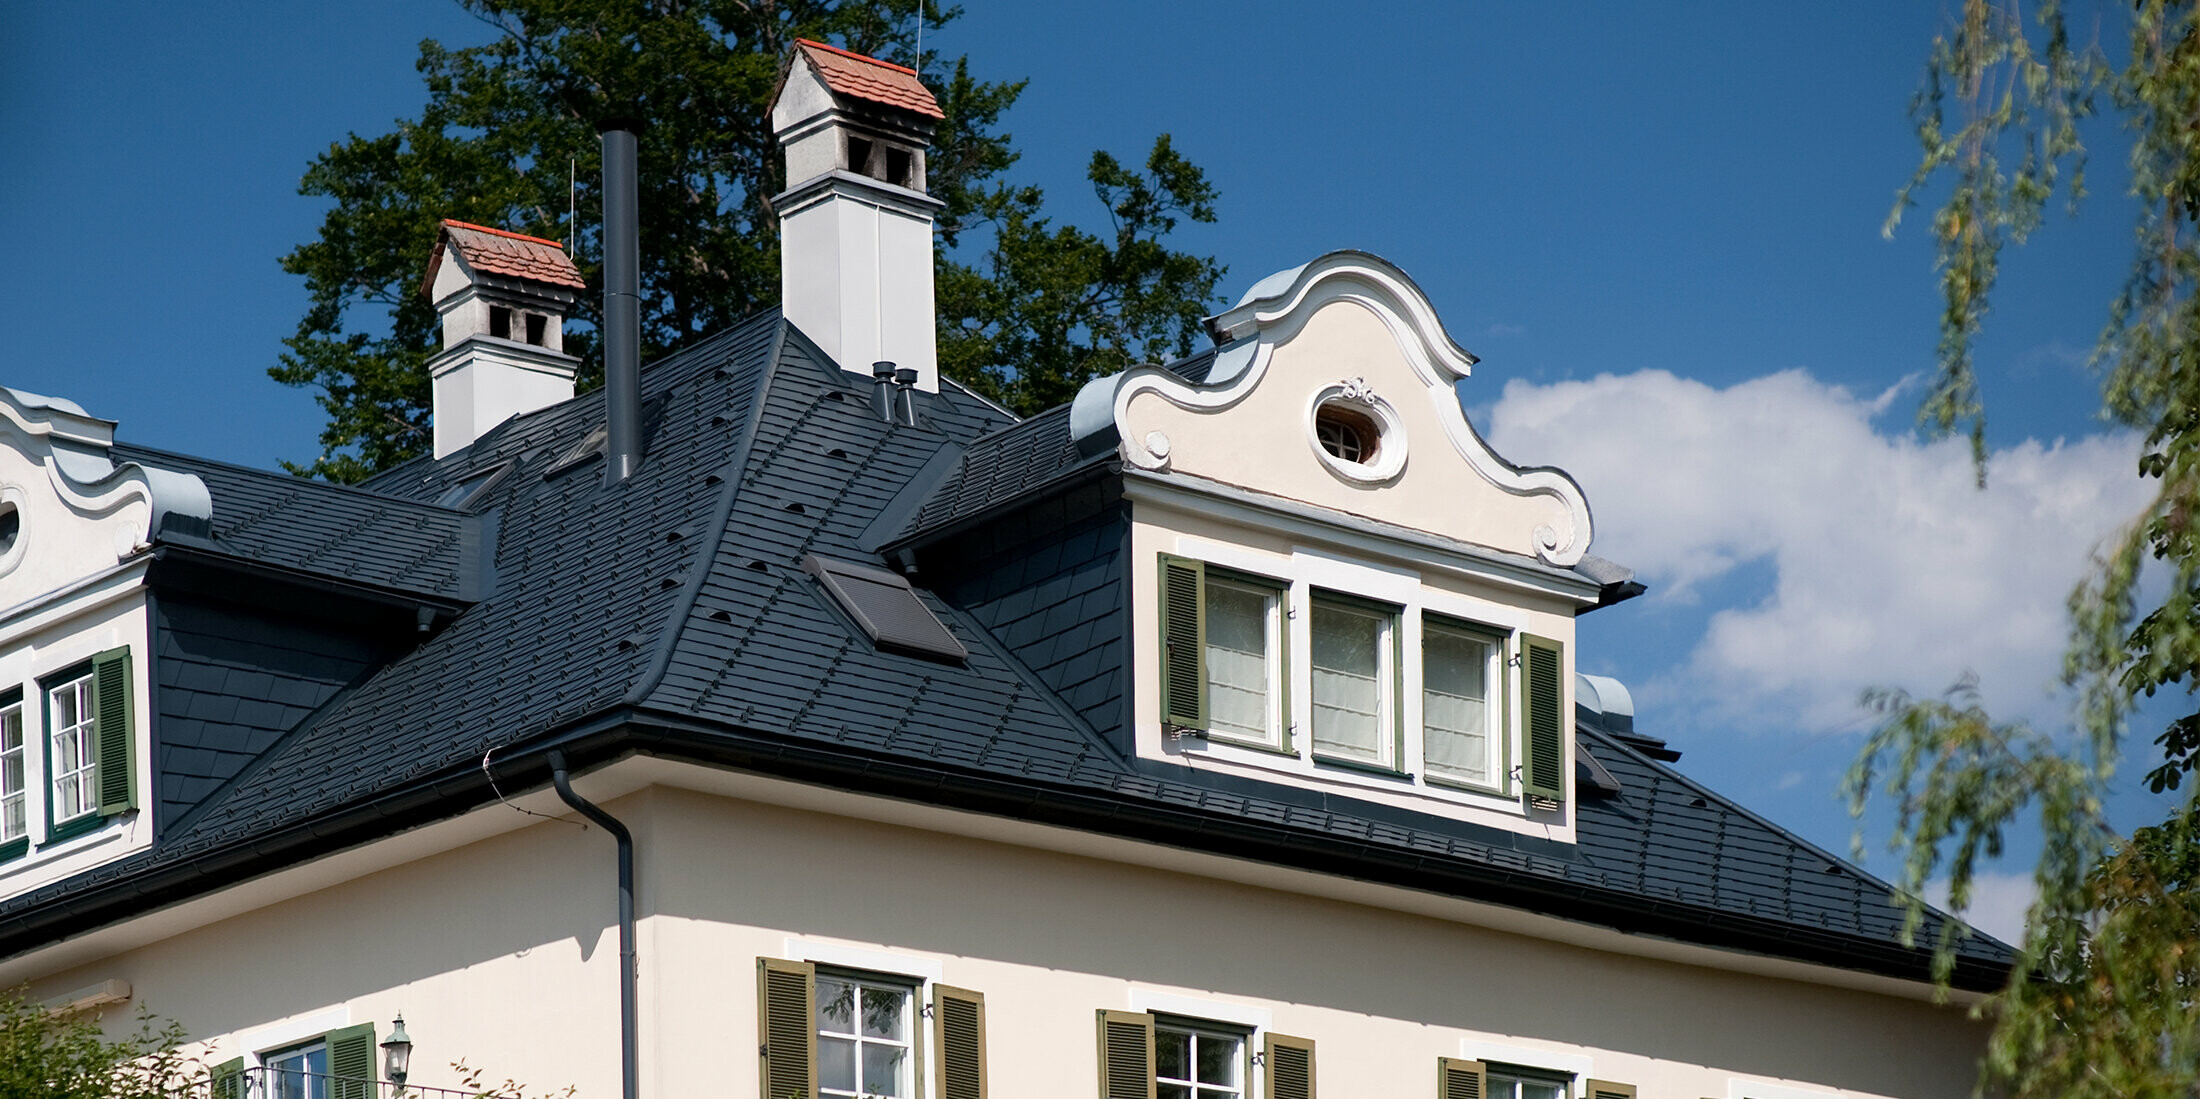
<point>284,476</point>
<point>454,223</point>
<point>683,609</point>
<point>856,56</point>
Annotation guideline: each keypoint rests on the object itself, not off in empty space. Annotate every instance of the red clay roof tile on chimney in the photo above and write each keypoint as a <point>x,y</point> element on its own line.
<point>852,74</point>
<point>497,252</point>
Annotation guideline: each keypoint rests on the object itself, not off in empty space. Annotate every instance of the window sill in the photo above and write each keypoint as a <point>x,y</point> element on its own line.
<point>1449,783</point>
<point>1251,745</point>
<point>1362,766</point>
<point>74,827</point>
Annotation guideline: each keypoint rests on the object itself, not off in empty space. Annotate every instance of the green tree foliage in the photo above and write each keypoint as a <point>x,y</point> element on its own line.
<point>508,135</point>
<point>1049,307</point>
<point>2105,997</point>
<point>69,1057</point>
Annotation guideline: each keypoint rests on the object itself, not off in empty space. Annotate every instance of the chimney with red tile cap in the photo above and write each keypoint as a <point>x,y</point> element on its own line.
<point>855,221</point>
<point>503,297</point>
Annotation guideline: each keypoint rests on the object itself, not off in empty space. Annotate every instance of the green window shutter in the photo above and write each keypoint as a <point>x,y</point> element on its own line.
<point>1605,1089</point>
<point>1542,681</point>
<point>1126,1055</point>
<point>111,732</point>
<point>1183,642</point>
<point>227,1080</point>
<point>958,1027</point>
<point>351,1062</point>
<point>1287,1067</point>
<point>1457,1079</point>
<point>786,1024</point>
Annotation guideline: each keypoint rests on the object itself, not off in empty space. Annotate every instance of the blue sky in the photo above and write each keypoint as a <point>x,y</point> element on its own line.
<point>1658,225</point>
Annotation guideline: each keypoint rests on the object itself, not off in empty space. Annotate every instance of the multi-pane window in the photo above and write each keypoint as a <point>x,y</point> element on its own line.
<point>1458,670</point>
<point>14,774</point>
<point>863,1037</point>
<point>297,1073</point>
<point>69,715</point>
<point>1244,666</point>
<point>1197,1063</point>
<point>1351,681</point>
<point>1523,1085</point>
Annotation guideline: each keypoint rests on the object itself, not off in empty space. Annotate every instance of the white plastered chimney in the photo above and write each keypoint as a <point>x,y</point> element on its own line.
<point>855,221</point>
<point>503,298</point>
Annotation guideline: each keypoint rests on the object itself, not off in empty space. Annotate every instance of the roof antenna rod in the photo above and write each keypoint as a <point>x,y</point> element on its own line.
<point>622,316</point>
<point>572,204</point>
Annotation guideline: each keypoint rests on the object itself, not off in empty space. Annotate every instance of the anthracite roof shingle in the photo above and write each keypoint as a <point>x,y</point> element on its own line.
<point>680,597</point>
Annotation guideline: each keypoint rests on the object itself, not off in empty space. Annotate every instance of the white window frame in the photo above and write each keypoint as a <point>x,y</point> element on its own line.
<point>1305,570</point>
<point>84,731</point>
<point>268,1071</point>
<point>911,1045</point>
<point>23,755</point>
<point>1495,701</point>
<point>1276,620</point>
<point>1250,1020</point>
<point>921,971</point>
<point>1204,1030</point>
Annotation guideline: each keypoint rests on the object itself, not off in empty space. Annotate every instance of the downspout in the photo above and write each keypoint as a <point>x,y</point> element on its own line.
<point>630,1080</point>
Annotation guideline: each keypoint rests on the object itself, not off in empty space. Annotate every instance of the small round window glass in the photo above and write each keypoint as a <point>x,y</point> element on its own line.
<point>1347,434</point>
<point>11,527</point>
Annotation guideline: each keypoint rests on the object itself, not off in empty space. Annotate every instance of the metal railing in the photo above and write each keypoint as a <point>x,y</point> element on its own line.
<point>269,1083</point>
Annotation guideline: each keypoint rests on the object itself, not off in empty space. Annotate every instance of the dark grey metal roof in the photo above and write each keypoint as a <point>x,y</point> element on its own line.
<point>324,529</point>
<point>677,602</point>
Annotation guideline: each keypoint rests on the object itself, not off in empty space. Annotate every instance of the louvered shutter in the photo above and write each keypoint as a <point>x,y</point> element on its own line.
<point>1126,1055</point>
<point>1183,642</point>
<point>1458,1079</point>
<point>111,739</point>
<point>1542,682</point>
<point>1287,1067</point>
<point>351,1062</point>
<point>958,1026</point>
<point>227,1079</point>
<point>1605,1089</point>
<point>786,1024</point>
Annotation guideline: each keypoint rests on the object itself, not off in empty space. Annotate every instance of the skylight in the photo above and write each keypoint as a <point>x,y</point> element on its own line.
<point>886,608</point>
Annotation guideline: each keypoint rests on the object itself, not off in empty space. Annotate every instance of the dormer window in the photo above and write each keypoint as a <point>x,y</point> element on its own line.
<point>1406,690</point>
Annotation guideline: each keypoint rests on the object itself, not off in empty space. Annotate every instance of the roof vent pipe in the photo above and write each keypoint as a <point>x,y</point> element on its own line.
<point>905,380</point>
<point>622,302</point>
<point>882,393</point>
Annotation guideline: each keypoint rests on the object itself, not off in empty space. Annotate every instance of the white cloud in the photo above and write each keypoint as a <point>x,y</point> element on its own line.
<point>1998,903</point>
<point>1888,565</point>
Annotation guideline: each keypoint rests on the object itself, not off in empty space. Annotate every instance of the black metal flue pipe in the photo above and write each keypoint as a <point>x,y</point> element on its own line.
<point>622,303</point>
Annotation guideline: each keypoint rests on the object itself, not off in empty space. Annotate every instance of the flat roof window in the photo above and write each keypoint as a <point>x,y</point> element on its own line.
<point>886,608</point>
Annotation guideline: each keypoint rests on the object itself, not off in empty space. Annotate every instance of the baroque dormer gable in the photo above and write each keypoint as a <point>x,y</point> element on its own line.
<point>68,509</point>
<point>1336,386</point>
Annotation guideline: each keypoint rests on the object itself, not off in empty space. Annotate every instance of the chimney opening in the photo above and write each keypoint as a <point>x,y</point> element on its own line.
<point>859,155</point>
<point>882,397</point>
<point>905,380</point>
<point>500,322</point>
<point>897,166</point>
<point>538,328</point>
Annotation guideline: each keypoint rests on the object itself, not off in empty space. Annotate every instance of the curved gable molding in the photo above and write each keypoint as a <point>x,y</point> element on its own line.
<point>1273,312</point>
<point>73,448</point>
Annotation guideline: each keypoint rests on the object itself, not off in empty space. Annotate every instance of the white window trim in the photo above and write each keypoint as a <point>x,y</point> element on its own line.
<point>927,970</point>
<point>1740,1088</point>
<point>1308,568</point>
<point>1581,1065</point>
<point>1153,1001</point>
<point>277,1037</point>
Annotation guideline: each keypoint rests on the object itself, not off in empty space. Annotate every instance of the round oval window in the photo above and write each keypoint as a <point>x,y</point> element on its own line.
<point>1347,433</point>
<point>11,527</point>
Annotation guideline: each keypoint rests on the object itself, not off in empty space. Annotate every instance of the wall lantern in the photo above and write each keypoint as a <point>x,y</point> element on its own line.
<point>397,1052</point>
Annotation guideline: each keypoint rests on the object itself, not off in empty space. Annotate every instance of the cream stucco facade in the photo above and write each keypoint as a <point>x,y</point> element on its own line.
<point>493,935</point>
